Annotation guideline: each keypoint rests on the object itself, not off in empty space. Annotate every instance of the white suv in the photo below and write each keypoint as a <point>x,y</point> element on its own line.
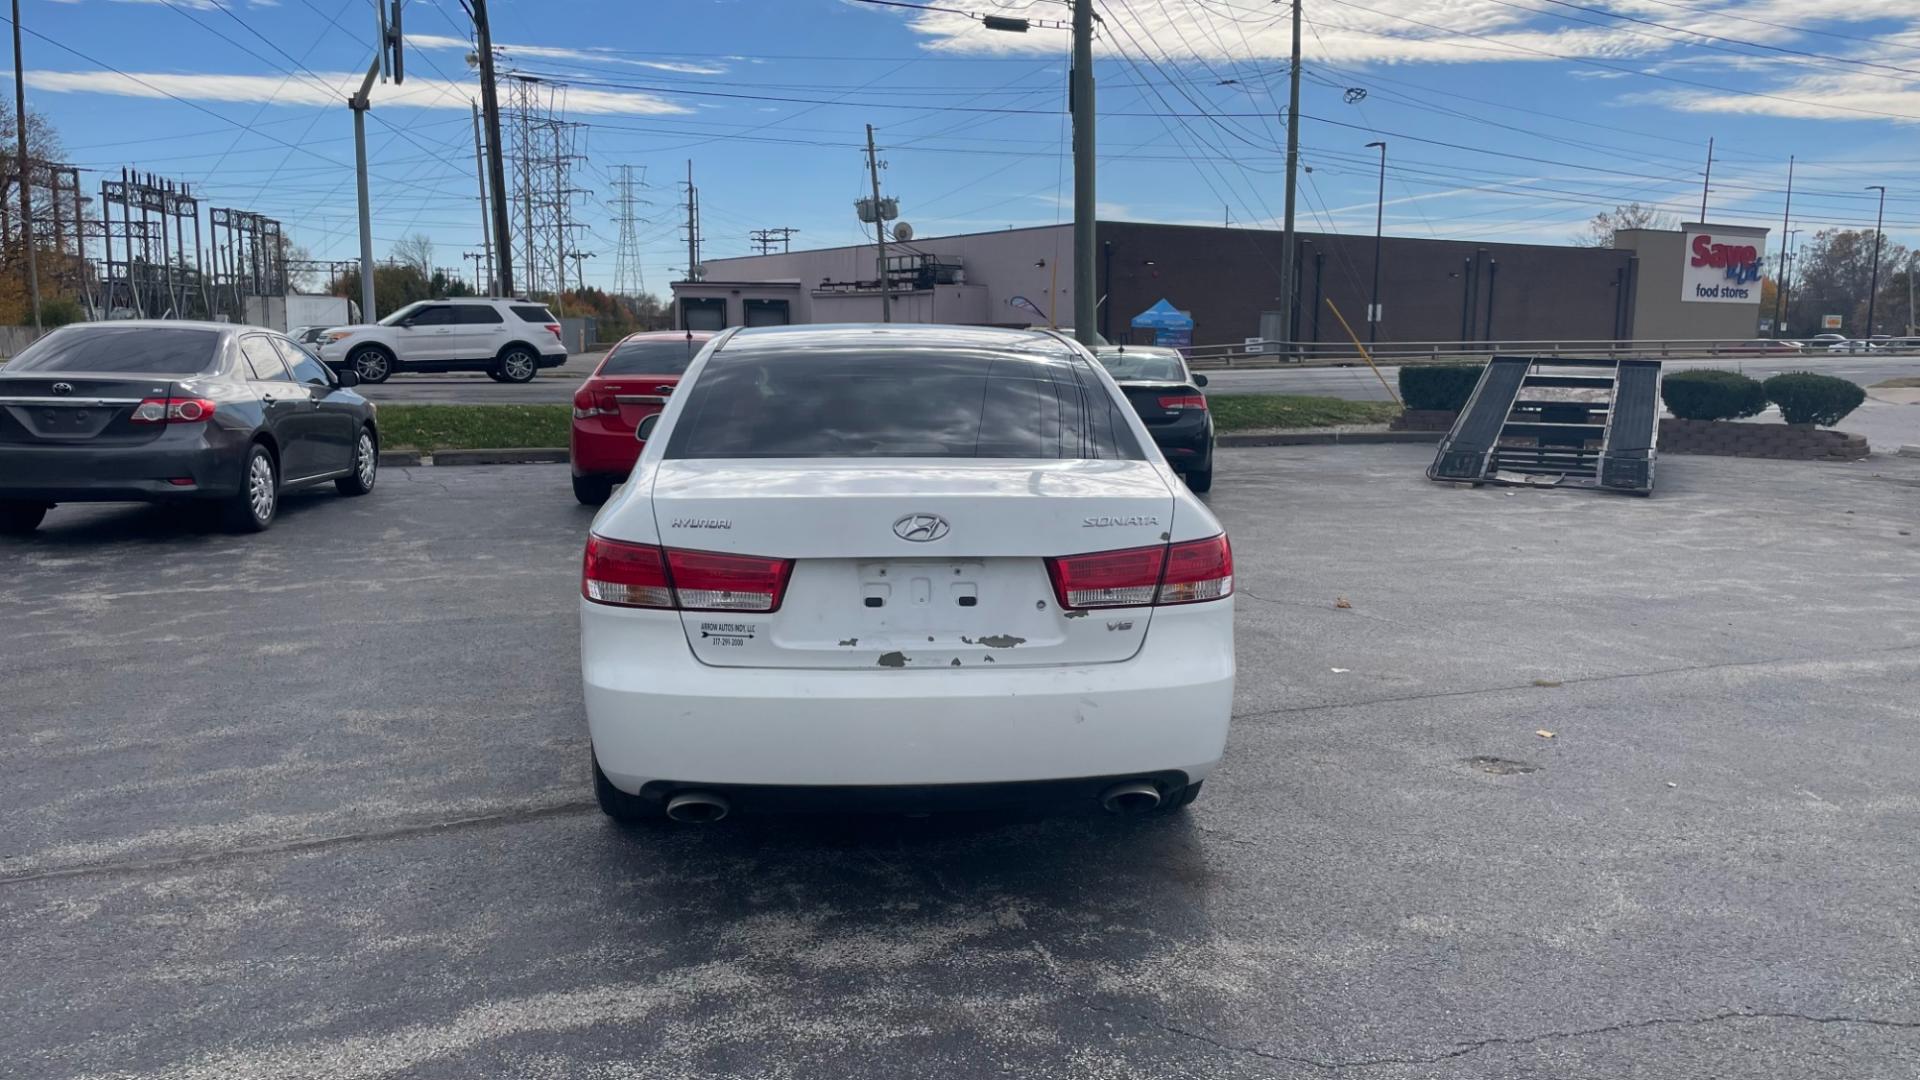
<point>510,340</point>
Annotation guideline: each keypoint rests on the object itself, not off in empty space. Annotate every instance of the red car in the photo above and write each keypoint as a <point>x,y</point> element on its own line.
<point>631,383</point>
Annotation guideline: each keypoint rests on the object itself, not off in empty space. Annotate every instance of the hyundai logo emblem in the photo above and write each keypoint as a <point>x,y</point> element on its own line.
<point>63,388</point>
<point>920,528</point>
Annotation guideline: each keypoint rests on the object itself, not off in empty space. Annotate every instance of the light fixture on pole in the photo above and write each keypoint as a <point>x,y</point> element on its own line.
<point>1873,284</point>
<point>1379,213</point>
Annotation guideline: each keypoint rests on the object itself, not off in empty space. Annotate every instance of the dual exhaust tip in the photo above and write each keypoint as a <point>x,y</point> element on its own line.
<point>706,807</point>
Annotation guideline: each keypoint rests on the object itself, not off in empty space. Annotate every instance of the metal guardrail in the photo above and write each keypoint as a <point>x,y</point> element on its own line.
<point>1269,354</point>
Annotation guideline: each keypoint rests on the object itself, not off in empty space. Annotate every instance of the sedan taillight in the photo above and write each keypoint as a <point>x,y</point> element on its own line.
<point>588,404</point>
<point>1184,401</point>
<point>172,410</point>
<point>1183,573</point>
<point>643,575</point>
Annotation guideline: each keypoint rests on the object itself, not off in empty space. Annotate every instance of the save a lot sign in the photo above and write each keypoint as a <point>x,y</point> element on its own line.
<point>1722,267</point>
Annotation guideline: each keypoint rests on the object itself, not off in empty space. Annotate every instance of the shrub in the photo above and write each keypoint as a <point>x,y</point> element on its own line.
<point>1712,395</point>
<point>1806,398</point>
<point>59,311</point>
<point>1442,387</point>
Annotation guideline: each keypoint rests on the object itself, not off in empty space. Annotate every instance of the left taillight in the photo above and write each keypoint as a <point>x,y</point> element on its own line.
<point>172,410</point>
<point>1177,402</point>
<point>1183,573</point>
<point>643,575</point>
<point>587,403</point>
<point>554,329</point>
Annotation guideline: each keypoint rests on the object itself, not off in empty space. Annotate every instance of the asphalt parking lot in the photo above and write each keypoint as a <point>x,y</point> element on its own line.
<point>315,803</point>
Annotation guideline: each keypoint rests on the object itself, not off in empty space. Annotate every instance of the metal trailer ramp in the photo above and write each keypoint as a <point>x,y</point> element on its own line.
<point>1557,422</point>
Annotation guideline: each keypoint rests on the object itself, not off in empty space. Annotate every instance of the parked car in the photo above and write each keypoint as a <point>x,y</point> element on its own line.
<point>631,383</point>
<point>1167,396</point>
<point>1822,340</point>
<point>1857,345</point>
<point>216,413</point>
<point>902,567</point>
<point>510,340</point>
<point>1765,346</point>
<point>310,336</point>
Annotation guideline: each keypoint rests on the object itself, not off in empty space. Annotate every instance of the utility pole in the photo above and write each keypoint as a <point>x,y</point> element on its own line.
<point>1085,292</point>
<point>880,226</point>
<point>26,180</point>
<point>693,226</point>
<point>496,167</point>
<point>1708,179</point>
<point>1780,286</point>
<point>389,39</point>
<point>629,278</point>
<point>1873,286</point>
<point>486,227</point>
<point>1379,213</point>
<point>1287,239</point>
<point>526,179</point>
<point>1910,264</point>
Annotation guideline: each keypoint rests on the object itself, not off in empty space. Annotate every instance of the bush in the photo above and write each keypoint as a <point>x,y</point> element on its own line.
<point>59,311</point>
<point>1442,387</point>
<point>1806,398</point>
<point>1712,395</point>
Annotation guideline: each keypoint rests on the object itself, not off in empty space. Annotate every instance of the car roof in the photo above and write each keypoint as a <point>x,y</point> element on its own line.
<point>667,335</point>
<point>927,336</point>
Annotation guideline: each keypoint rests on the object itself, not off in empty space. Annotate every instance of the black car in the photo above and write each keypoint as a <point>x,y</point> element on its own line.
<point>176,411</point>
<point>1167,396</point>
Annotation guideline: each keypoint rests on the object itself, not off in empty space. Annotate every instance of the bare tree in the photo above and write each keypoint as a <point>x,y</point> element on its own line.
<point>415,251</point>
<point>1629,216</point>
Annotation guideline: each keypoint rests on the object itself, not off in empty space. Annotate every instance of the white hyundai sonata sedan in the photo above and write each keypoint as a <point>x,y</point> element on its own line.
<point>902,568</point>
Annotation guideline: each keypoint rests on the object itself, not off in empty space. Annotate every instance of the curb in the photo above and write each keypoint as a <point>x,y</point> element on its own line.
<point>1910,450</point>
<point>533,455</point>
<point>402,459</point>
<point>1329,438</point>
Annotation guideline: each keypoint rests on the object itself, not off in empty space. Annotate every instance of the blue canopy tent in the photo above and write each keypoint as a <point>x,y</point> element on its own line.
<point>1170,325</point>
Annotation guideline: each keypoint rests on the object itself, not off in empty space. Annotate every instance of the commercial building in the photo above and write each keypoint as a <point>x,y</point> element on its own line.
<point>1698,282</point>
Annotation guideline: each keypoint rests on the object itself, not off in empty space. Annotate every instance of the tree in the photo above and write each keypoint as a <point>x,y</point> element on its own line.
<point>1831,276</point>
<point>415,251</point>
<point>1629,216</point>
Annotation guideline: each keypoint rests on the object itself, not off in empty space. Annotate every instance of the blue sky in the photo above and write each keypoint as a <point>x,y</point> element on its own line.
<point>1505,119</point>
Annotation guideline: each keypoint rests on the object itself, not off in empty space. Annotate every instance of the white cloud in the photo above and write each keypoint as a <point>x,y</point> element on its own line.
<point>558,52</point>
<point>326,88</point>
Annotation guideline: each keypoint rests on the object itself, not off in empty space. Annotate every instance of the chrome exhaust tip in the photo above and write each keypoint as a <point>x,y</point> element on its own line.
<point>1132,797</point>
<point>697,807</point>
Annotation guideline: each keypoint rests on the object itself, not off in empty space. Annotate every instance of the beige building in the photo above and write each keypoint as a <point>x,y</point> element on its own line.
<point>1700,281</point>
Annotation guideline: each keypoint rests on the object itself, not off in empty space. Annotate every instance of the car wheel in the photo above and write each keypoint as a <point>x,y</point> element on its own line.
<point>366,462</point>
<point>494,374</point>
<point>1200,481</point>
<point>20,518</point>
<point>620,806</point>
<point>251,509</point>
<point>372,363</point>
<point>1184,799</point>
<point>519,365</point>
<point>592,490</point>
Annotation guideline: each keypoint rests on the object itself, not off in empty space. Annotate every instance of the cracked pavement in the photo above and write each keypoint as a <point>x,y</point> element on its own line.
<point>315,804</point>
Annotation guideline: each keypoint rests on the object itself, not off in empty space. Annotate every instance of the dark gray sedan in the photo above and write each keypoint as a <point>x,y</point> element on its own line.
<point>176,411</point>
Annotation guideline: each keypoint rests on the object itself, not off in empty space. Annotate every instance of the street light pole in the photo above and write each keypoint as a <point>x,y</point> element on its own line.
<point>1786,218</point>
<point>26,178</point>
<point>1873,284</point>
<point>1379,213</point>
<point>1288,286</point>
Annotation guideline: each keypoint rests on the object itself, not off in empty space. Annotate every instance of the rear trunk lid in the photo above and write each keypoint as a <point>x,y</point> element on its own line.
<point>78,410</point>
<point>1148,398</point>
<point>913,563</point>
<point>635,397</point>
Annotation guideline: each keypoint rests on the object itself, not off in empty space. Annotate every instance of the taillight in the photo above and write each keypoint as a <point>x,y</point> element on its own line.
<point>1198,570</point>
<point>642,575</point>
<point>553,328</point>
<point>587,404</point>
<point>1184,401</point>
<point>172,410</point>
<point>629,575</point>
<point>712,581</point>
<point>1184,573</point>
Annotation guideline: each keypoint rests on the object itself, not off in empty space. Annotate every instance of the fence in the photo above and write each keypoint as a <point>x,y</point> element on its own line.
<point>1281,354</point>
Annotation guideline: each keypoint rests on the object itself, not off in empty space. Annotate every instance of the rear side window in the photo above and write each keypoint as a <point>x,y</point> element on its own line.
<point>262,358</point>
<point>534,313</point>
<point>474,314</point>
<point>938,403</point>
<point>139,350</point>
<point>438,315</point>
<point>659,356</point>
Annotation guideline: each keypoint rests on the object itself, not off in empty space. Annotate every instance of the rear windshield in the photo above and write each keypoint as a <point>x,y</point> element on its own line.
<point>144,350</point>
<point>949,403</point>
<point>1143,367</point>
<point>659,356</point>
<point>534,313</point>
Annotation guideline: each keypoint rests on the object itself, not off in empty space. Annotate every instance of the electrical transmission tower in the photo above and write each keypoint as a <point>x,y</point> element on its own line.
<point>543,148</point>
<point>764,239</point>
<point>629,279</point>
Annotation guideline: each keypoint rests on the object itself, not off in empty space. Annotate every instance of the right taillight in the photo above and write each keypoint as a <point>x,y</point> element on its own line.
<point>173,410</point>
<point>642,575</point>
<point>1183,573</point>
<point>1180,402</point>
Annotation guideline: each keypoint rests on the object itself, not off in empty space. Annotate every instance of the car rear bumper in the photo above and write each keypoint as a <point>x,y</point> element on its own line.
<point>600,452</point>
<point>1187,442</point>
<point>656,714</point>
<point>138,473</point>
